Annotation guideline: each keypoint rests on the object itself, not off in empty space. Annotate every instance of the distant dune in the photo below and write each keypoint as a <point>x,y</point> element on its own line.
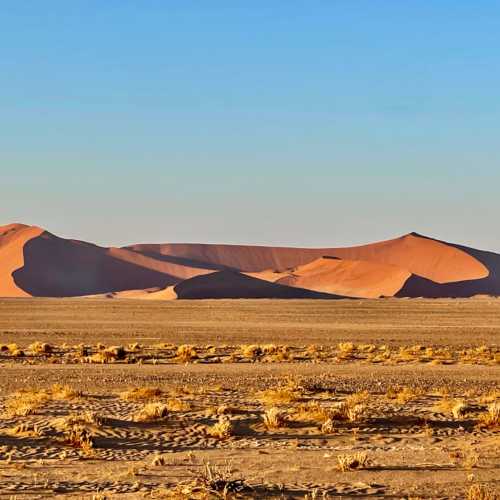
<point>34,262</point>
<point>351,278</point>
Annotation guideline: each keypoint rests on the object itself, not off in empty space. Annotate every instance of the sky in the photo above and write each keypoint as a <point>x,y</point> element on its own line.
<point>307,123</point>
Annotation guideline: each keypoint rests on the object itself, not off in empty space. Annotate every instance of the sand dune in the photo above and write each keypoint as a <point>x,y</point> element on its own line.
<point>352,278</point>
<point>57,267</point>
<point>34,262</point>
<point>432,259</point>
<point>234,285</point>
<point>13,238</point>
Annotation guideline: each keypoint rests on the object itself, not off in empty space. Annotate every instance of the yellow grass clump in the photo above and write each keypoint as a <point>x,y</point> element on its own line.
<point>186,354</point>
<point>176,404</point>
<point>222,429</point>
<point>274,418</point>
<point>403,395</point>
<point>59,391</point>
<point>25,402</point>
<point>141,393</point>
<point>491,418</point>
<point>40,348</point>
<point>350,462</point>
<point>480,492</point>
<point>151,412</point>
<point>311,411</point>
<point>283,394</point>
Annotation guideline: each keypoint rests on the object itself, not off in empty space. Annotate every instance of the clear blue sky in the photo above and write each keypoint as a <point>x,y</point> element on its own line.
<point>285,122</point>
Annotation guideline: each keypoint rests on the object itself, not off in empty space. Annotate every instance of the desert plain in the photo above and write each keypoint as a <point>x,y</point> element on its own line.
<point>354,398</point>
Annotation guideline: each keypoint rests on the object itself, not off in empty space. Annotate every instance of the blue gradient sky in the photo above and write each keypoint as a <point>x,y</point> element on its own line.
<point>284,122</point>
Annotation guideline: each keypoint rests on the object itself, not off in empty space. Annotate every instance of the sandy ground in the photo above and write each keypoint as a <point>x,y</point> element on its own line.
<point>415,446</point>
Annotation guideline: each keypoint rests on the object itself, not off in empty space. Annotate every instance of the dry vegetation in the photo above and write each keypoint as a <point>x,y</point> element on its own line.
<point>207,418</point>
<point>154,354</point>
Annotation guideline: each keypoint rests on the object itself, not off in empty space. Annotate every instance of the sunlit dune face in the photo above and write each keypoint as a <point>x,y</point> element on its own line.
<point>424,257</point>
<point>348,278</point>
<point>12,240</point>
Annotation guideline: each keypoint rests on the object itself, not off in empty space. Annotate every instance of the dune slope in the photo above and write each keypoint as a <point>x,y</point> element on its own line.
<point>352,278</point>
<point>57,267</point>
<point>234,285</point>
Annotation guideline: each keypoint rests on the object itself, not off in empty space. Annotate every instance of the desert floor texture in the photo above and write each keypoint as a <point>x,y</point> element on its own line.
<point>389,398</point>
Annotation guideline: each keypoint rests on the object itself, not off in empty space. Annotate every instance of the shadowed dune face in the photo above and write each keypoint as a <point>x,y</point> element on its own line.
<point>55,267</point>
<point>233,285</point>
<point>347,277</point>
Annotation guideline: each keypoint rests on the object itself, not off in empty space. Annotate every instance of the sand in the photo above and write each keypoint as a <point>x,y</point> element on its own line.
<point>415,447</point>
<point>35,262</point>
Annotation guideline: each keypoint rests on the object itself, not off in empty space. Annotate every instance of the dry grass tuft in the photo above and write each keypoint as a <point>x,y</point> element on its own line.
<point>459,409</point>
<point>141,393</point>
<point>328,426</point>
<point>252,351</point>
<point>491,418</point>
<point>480,492</point>
<point>274,418</point>
<point>151,412</point>
<point>186,354</point>
<point>176,404</point>
<point>40,348</point>
<point>81,419</point>
<point>222,429</point>
<point>311,411</point>
<point>219,479</point>
<point>59,391</point>
<point>279,395</point>
<point>403,395</point>
<point>79,437</point>
<point>350,462</point>
<point>25,402</point>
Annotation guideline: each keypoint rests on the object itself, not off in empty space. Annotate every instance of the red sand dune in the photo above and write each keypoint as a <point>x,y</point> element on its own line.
<point>38,263</point>
<point>351,278</point>
<point>234,285</point>
<point>425,257</point>
<point>42,264</point>
<point>13,238</point>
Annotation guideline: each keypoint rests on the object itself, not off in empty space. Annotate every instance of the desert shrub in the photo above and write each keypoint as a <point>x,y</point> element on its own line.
<point>79,437</point>
<point>222,429</point>
<point>25,402</point>
<point>252,351</point>
<point>141,393</point>
<point>151,412</point>
<point>328,426</point>
<point>176,404</point>
<point>274,418</point>
<point>283,394</point>
<point>186,354</point>
<point>59,391</point>
<point>350,462</point>
<point>491,418</point>
<point>480,492</point>
<point>311,411</point>
<point>40,348</point>
<point>403,395</point>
